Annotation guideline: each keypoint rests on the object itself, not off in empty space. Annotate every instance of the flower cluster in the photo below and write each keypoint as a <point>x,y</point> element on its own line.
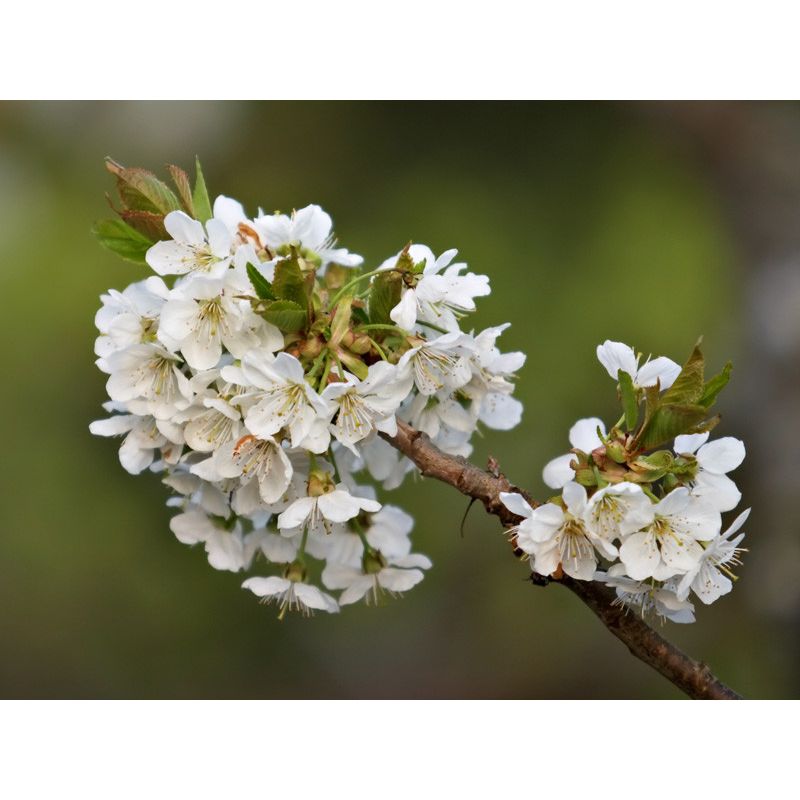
<point>651,517</point>
<point>257,370</point>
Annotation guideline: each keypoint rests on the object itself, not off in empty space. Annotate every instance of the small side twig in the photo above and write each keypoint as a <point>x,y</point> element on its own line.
<point>689,675</point>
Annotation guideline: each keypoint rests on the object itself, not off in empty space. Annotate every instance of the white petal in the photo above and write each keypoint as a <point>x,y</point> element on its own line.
<point>267,587</point>
<point>182,228</point>
<point>297,513</point>
<point>662,369</point>
<point>404,314</point>
<point>639,553</point>
<point>558,472</point>
<point>399,580</point>
<point>721,455</point>
<point>583,434</point>
<point>688,443</point>
<point>616,356</point>
<point>575,498</point>
<point>719,490</point>
<point>516,504</point>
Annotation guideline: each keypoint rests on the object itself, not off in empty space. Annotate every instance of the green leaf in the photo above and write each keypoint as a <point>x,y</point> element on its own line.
<point>630,405</point>
<point>289,282</point>
<point>122,239</point>
<point>384,295</point>
<point>202,205</point>
<point>148,223</point>
<point>714,386</point>
<point>181,181</point>
<point>140,190</point>
<point>260,283</point>
<point>688,385</point>
<point>670,420</point>
<point>286,315</point>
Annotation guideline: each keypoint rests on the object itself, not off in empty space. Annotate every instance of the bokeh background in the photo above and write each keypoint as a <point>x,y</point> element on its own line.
<point>649,223</point>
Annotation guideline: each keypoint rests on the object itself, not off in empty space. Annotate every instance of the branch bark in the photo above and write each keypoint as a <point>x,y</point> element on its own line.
<point>691,676</point>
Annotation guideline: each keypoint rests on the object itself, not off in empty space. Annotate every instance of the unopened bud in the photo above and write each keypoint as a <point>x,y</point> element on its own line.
<point>585,476</point>
<point>616,452</point>
<point>311,348</point>
<point>361,344</point>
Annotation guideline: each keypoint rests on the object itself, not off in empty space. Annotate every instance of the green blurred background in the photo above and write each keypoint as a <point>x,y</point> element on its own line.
<point>651,224</point>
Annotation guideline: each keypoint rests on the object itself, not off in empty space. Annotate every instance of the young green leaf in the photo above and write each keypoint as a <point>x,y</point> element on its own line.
<point>630,404</point>
<point>384,295</point>
<point>181,181</point>
<point>200,200</point>
<point>148,223</point>
<point>289,282</point>
<point>671,420</point>
<point>714,386</point>
<point>260,283</point>
<point>286,315</point>
<point>140,190</point>
<point>122,239</point>
<point>688,385</point>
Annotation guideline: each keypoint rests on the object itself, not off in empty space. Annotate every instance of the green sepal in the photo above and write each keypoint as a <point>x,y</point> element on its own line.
<point>651,468</point>
<point>260,283</point>
<point>122,239</point>
<point>384,295</point>
<point>200,200</point>
<point>630,404</point>
<point>341,321</point>
<point>714,386</point>
<point>286,315</point>
<point>353,363</point>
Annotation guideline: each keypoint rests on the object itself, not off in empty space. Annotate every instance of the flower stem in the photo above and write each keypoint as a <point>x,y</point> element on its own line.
<point>349,284</point>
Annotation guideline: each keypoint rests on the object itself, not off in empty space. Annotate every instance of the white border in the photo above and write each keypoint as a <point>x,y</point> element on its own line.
<point>397,749</point>
<point>329,49</point>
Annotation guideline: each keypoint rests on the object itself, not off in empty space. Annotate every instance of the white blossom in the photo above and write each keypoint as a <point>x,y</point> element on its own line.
<point>193,248</point>
<point>669,545</point>
<point>714,460</point>
<point>291,595</point>
<point>616,357</point>
<point>311,229</point>
<point>284,399</point>
<point>710,577</point>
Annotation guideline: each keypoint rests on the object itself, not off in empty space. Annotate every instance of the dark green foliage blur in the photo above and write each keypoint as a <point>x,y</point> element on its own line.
<point>591,222</point>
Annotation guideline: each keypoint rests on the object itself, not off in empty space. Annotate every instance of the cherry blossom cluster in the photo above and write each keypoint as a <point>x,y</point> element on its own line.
<point>258,368</point>
<point>644,520</point>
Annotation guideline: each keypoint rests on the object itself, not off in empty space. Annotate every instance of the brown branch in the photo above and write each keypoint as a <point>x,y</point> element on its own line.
<point>689,675</point>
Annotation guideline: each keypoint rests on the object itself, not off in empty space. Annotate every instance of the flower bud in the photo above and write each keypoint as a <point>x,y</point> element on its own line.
<point>360,344</point>
<point>615,450</point>
<point>311,348</point>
